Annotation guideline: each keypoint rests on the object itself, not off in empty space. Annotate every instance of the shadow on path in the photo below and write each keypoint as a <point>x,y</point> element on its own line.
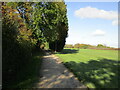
<point>69,51</point>
<point>55,75</point>
<point>102,73</point>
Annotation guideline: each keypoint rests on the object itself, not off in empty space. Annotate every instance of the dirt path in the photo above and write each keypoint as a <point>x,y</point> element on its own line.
<point>56,75</point>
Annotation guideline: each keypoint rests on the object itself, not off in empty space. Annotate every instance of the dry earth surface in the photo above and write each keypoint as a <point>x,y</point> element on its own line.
<point>55,75</point>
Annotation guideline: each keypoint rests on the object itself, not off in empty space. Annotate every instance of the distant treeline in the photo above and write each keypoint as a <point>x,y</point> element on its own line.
<point>88,46</point>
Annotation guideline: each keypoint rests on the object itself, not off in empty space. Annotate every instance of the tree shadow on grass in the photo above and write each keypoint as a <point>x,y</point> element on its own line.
<point>102,73</point>
<point>69,51</point>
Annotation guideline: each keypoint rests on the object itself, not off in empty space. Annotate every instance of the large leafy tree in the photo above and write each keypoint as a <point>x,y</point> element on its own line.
<point>26,25</point>
<point>47,22</point>
<point>61,28</point>
<point>50,22</point>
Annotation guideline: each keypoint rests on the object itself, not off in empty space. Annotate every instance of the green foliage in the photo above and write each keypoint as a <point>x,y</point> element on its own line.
<point>87,46</point>
<point>100,45</point>
<point>46,46</point>
<point>54,45</point>
<point>61,27</point>
<point>27,27</point>
<point>17,46</point>
<point>29,75</point>
<point>69,46</point>
<point>50,24</point>
<point>15,57</point>
<point>77,45</point>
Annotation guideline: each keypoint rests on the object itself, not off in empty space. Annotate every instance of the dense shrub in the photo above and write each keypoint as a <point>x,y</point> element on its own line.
<point>15,56</point>
<point>24,31</point>
<point>57,45</point>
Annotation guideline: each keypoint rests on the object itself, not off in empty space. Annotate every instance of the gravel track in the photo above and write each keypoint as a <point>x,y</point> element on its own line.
<point>55,75</point>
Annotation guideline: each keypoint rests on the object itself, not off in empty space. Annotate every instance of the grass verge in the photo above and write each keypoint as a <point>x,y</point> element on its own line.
<point>94,68</point>
<point>30,75</point>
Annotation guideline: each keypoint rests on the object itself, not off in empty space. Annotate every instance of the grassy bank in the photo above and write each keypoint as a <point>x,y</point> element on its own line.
<point>29,75</point>
<point>94,68</point>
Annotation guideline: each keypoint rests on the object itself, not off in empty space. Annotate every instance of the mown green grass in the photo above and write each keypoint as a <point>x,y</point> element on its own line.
<point>94,68</point>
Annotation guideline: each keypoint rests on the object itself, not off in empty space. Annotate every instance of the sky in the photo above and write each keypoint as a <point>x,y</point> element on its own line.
<point>93,23</point>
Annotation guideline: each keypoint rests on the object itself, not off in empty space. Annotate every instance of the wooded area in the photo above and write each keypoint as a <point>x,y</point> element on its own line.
<point>27,27</point>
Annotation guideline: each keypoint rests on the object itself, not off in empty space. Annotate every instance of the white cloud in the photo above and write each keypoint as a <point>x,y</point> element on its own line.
<point>98,33</point>
<point>115,22</point>
<point>90,12</point>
